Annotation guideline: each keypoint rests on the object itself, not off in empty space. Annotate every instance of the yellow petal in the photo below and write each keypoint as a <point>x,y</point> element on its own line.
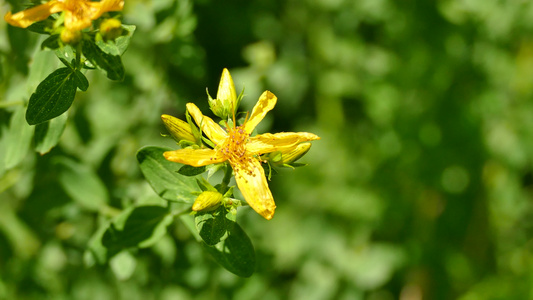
<point>194,157</point>
<point>38,13</point>
<point>80,15</point>
<point>253,185</point>
<point>111,5</point>
<point>266,102</point>
<point>213,131</point>
<point>283,141</point>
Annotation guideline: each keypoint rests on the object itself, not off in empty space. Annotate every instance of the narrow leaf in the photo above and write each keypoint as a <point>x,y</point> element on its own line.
<point>164,178</point>
<point>53,96</point>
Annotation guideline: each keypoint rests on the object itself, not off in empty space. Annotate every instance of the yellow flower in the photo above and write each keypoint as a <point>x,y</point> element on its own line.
<point>235,145</point>
<point>79,14</point>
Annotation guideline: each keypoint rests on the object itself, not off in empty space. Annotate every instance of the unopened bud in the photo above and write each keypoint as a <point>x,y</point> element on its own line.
<point>110,29</point>
<point>226,102</point>
<point>70,37</point>
<point>178,129</point>
<point>290,156</point>
<point>206,201</point>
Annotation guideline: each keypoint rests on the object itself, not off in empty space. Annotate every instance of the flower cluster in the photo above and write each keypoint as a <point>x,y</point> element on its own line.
<point>76,15</point>
<point>236,145</point>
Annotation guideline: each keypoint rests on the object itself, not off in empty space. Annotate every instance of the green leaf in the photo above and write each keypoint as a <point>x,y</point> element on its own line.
<point>18,139</point>
<point>81,81</point>
<point>164,178</point>
<point>235,253</point>
<point>123,265</point>
<point>213,226</point>
<point>123,42</point>
<point>53,96</point>
<point>82,184</point>
<point>52,42</point>
<point>112,64</point>
<point>191,171</point>
<point>120,45</point>
<point>47,134</point>
<point>141,226</point>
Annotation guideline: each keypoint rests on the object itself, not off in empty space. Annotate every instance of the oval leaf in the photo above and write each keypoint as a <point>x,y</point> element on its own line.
<point>53,96</point>
<point>141,226</point>
<point>213,227</point>
<point>236,253</point>
<point>164,178</point>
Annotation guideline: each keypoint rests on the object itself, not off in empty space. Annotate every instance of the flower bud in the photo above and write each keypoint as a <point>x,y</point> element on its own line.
<point>226,102</point>
<point>207,201</point>
<point>288,157</point>
<point>178,129</point>
<point>110,29</point>
<point>70,37</point>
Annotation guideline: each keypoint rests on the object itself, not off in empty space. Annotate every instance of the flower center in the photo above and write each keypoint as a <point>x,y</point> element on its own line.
<point>234,148</point>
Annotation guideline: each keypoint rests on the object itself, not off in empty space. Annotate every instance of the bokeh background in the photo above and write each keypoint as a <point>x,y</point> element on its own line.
<point>420,188</point>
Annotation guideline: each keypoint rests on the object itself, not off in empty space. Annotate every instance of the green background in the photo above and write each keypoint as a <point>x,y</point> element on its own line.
<point>420,188</point>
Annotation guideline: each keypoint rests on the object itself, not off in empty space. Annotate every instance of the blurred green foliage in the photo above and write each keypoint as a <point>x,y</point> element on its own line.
<point>421,187</point>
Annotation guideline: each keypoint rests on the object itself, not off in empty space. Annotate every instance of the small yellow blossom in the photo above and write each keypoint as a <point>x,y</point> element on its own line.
<point>235,145</point>
<point>207,201</point>
<point>79,14</point>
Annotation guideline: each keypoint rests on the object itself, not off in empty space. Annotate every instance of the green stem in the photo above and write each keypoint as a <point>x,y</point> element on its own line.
<point>228,173</point>
<point>78,55</point>
<point>12,103</point>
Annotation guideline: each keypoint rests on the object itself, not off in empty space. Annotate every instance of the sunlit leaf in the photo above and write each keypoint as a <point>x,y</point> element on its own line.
<point>53,96</point>
<point>213,226</point>
<point>235,253</point>
<point>164,178</point>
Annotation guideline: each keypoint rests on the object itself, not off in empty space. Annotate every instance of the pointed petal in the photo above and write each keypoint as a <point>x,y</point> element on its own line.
<point>194,157</point>
<point>253,185</point>
<point>213,131</point>
<point>283,141</point>
<point>266,102</point>
<point>111,5</point>
<point>226,89</point>
<point>105,6</point>
<point>27,17</point>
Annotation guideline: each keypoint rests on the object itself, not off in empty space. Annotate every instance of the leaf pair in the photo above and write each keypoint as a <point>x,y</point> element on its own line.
<point>220,235</point>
